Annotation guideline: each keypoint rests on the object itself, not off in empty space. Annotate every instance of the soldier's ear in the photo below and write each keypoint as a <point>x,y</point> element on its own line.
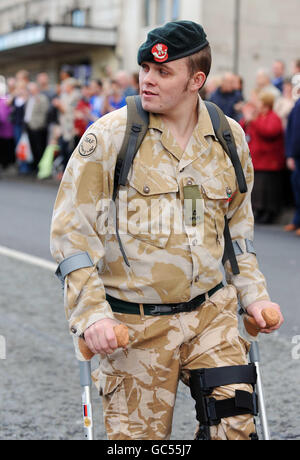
<point>198,80</point>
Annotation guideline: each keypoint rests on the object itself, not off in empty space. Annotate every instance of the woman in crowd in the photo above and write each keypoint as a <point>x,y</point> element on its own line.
<point>7,145</point>
<point>265,135</point>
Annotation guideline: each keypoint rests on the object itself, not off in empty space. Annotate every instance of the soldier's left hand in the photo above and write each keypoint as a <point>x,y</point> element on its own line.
<point>255,310</point>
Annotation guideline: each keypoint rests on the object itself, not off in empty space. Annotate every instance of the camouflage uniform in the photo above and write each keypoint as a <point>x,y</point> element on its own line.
<point>167,265</point>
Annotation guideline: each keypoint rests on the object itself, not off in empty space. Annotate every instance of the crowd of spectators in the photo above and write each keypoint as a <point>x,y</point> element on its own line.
<point>264,116</point>
<point>57,117</point>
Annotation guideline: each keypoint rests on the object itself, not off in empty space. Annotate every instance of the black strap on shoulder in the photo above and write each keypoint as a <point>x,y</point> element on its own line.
<point>229,253</point>
<point>224,135</point>
<point>136,129</point>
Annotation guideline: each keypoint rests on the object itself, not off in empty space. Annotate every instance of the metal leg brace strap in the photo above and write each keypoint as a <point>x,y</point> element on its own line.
<point>209,410</point>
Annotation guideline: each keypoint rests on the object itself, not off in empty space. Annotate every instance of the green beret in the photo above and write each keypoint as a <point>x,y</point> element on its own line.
<point>175,40</point>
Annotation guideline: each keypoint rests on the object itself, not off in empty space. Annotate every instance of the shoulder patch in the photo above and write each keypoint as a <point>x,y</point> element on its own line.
<point>88,145</point>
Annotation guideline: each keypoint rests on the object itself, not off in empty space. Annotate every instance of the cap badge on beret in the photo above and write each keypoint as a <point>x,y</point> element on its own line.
<point>160,52</point>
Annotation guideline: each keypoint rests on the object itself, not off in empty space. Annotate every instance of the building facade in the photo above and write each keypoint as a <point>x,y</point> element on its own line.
<point>245,35</point>
<point>94,35</point>
<point>44,35</point>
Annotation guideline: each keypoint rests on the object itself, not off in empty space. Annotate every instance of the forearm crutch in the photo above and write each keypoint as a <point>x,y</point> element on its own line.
<point>86,383</point>
<point>271,318</point>
<point>254,358</point>
<point>122,337</point>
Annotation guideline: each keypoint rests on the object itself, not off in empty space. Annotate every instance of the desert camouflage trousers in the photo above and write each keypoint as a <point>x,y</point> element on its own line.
<point>139,389</point>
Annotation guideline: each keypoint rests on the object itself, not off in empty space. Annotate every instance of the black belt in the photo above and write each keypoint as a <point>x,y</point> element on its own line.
<point>120,306</point>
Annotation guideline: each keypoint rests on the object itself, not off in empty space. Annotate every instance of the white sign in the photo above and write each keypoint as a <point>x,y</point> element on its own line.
<point>22,38</point>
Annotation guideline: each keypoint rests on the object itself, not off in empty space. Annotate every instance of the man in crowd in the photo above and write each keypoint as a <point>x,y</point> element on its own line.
<point>279,74</point>
<point>293,153</point>
<point>226,97</point>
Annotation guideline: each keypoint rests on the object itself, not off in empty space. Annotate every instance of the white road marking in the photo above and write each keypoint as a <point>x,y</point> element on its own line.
<point>33,260</point>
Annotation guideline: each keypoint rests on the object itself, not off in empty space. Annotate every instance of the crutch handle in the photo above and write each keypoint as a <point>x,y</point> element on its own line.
<point>271,317</point>
<point>122,336</point>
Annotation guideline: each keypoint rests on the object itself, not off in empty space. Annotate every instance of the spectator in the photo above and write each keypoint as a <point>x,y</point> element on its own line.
<point>285,103</point>
<point>66,72</point>
<point>22,76</point>
<point>211,85</point>
<point>7,145</point>
<point>278,72</point>
<point>115,99</point>
<point>82,113</point>
<point>226,97</point>
<point>35,119</point>
<point>18,109</point>
<point>66,104</point>
<point>238,83</point>
<point>296,67</point>
<point>136,82</point>
<point>11,89</point>
<point>96,100</point>
<point>283,107</point>
<point>124,81</point>
<point>293,154</point>
<point>263,83</point>
<point>42,80</point>
<point>266,141</point>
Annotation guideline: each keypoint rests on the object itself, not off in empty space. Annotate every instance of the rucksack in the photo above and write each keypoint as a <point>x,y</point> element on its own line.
<point>136,130</point>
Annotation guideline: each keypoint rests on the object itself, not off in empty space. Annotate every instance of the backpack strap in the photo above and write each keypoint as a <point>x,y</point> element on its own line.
<point>225,137</point>
<point>136,130</point>
<point>224,134</point>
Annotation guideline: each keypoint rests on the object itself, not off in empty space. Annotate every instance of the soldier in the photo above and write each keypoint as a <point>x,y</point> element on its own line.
<point>181,318</point>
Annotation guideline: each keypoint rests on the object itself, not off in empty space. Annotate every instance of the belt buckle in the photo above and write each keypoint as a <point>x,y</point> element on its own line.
<point>155,310</point>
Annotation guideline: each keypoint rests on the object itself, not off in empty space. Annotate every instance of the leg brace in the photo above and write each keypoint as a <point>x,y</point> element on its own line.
<point>210,411</point>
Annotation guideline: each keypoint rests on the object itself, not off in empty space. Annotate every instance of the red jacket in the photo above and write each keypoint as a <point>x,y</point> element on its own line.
<point>266,142</point>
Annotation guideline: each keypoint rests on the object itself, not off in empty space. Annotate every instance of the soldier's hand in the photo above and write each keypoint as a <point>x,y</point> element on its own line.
<point>255,310</point>
<point>101,338</point>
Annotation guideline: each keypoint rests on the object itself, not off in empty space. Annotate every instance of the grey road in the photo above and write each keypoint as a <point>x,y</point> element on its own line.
<point>39,381</point>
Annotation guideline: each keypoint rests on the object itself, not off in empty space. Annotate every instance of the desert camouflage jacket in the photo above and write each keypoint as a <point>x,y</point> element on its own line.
<point>173,246</point>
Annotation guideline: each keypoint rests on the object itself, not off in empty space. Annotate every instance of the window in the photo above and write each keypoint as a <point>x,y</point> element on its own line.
<point>147,13</point>
<point>175,10</point>
<point>161,11</point>
<point>158,12</point>
<point>78,18</point>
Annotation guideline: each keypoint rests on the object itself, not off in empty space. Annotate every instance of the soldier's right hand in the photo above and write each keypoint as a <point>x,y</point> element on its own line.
<point>101,337</point>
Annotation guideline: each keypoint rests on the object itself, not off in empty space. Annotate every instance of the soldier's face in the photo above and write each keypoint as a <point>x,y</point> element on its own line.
<point>163,87</point>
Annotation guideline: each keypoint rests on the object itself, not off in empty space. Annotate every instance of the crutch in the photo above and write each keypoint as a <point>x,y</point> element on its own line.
<point>122,337</point>
<point>86,383</point>
<point>271,318</point>
<point>254,358</point>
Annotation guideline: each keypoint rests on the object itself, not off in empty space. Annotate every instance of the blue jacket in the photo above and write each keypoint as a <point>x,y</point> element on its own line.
<point>292,135</point>
<point>227,101</point>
